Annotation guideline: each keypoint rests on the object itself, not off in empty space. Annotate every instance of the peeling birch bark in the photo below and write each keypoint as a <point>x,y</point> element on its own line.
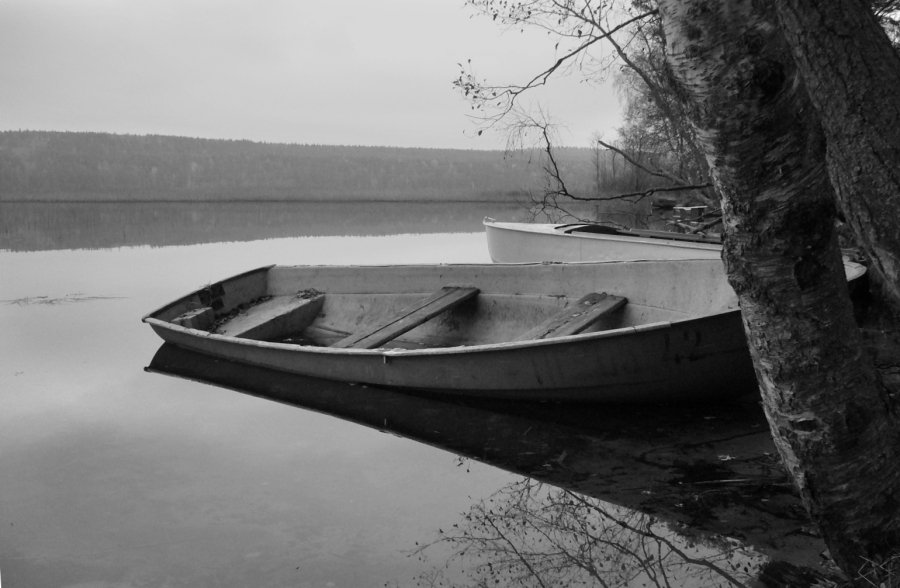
<point>831,419</point>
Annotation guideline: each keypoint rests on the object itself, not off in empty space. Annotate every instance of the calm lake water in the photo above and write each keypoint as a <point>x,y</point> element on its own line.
<point>114,476</point>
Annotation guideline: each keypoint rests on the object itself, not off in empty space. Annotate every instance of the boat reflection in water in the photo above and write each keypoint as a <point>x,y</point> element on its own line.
<point>610,495</point>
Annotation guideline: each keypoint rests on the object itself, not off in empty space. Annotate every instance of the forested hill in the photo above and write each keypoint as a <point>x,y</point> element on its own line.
<point>37,165</point>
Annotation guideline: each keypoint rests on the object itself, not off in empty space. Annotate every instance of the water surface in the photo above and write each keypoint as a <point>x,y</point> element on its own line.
<point>113,476</point>
<point>92,225</point>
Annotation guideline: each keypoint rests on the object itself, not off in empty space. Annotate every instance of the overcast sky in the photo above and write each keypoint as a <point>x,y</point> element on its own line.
<point>349,72</point>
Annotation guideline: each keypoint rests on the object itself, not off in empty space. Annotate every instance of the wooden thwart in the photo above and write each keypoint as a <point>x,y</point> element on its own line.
<point>410,318</point>
<point>199,318</point>
<point>576,318</point>
<point>274,317</point>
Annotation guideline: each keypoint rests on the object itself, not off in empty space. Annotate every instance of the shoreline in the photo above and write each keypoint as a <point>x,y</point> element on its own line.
<point>250,200</point>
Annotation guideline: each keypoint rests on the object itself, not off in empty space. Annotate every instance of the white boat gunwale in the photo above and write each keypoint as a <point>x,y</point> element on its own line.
<point>554,230</point>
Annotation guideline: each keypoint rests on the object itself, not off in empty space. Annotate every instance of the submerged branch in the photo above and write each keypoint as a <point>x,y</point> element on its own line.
<point>68,298</point>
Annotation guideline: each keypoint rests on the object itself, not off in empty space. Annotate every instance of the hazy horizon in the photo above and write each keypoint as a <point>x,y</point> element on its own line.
<point>474,148</point>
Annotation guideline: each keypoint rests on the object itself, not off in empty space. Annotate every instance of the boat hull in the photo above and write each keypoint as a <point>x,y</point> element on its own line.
<point>526,242</point>
<point>666,363</point>
<point>669,360</point>
<point>534,242</point>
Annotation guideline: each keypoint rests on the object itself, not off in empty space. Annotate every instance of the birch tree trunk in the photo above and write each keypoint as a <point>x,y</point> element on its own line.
<point>831,419</point>
<point>853,76</point>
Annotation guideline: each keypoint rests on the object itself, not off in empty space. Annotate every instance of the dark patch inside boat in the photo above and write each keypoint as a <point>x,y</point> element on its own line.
<point>596,229</point>
<point>607,230</point>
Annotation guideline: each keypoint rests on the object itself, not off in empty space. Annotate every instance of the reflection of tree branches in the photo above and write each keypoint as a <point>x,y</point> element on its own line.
<point>661,540</point>
<point>528,534</point>
<point>518,556</point>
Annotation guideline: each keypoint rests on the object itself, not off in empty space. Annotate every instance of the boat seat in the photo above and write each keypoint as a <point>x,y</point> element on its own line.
<point>411,317</point>
<point>274,317</point>
<point>198,318</point>
<point>576,318</point>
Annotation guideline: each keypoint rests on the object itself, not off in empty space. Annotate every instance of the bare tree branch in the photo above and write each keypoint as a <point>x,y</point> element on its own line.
<point>480,94</point>
<point>632,161</point>
<point>709,225</point>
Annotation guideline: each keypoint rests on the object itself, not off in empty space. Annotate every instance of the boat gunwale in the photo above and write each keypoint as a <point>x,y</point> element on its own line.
<point>199,334</point>
<point>552,230</point>
<point>454,350</point>
<point>168,305</point>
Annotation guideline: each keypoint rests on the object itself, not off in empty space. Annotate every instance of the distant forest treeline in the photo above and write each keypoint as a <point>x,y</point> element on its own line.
<point>48,166</point>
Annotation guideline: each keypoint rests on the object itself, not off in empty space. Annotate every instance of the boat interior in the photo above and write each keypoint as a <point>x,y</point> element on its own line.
<point>414,307</point>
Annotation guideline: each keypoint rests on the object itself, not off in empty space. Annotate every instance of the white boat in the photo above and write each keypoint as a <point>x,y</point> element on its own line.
<point>533,242</point>
<point>608,332</point>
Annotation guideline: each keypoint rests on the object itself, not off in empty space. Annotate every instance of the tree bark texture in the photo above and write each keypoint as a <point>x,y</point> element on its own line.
<point>853,76</point>
<point>830,417</point>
